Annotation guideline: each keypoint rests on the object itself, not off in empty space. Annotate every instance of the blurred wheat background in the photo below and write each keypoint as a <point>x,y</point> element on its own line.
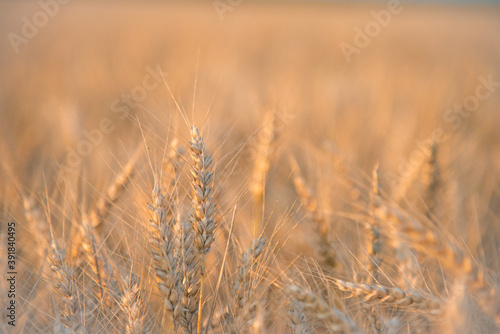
<point>345,197</point>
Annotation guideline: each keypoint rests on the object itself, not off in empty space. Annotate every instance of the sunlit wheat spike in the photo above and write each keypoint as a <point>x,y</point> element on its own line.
<point>392,296</point>
<point>190,284</point>
<point>164,247</point>
<point>203,218</point>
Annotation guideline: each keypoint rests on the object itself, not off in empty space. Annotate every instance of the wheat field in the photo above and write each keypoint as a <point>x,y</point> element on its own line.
<point>226,167</point>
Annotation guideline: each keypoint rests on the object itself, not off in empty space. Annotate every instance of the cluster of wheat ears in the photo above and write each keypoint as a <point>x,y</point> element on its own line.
<point>408,274</point>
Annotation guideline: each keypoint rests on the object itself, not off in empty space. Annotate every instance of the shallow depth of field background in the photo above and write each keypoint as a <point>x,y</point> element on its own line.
<point>225,75</point>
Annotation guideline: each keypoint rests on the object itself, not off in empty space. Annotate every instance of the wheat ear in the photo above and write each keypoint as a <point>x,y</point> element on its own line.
<point>432,180</point>
<point>203,217</point>
<point>422,238</point>
<point>133,304</point>
<point>298,322</point>
<point>162,239</point>
<point>392,296</point>
<point>425,240</point>
<point>374,243</point>
<point>327,251</point>
<point>104,273</point>
<point>65,286</point>
<point>337,321</point>
<point>243,287</point>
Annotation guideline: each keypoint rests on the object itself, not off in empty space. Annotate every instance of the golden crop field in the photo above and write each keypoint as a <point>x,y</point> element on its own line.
<point>239,166</point>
